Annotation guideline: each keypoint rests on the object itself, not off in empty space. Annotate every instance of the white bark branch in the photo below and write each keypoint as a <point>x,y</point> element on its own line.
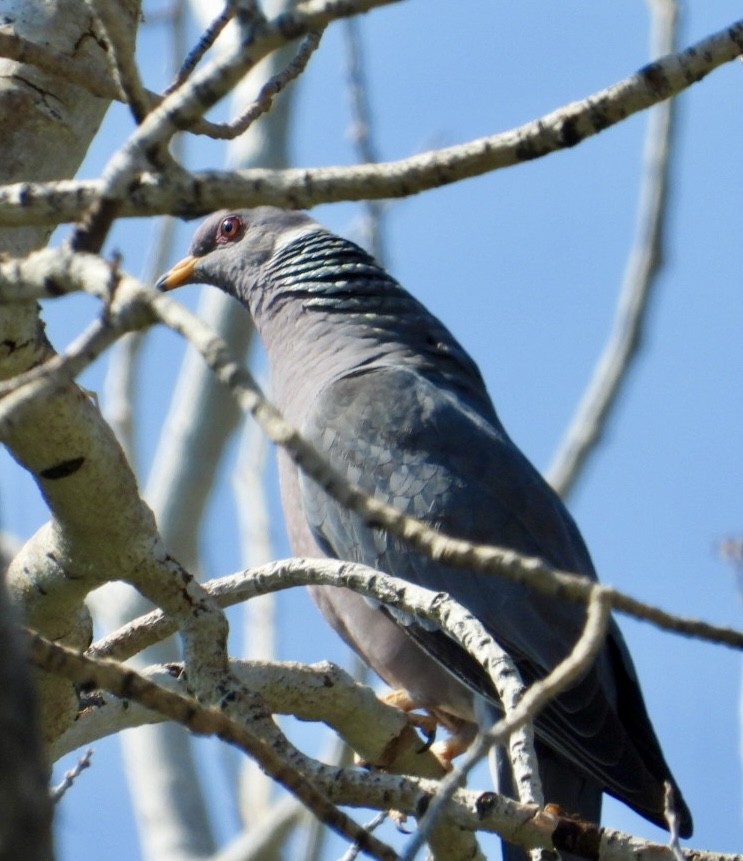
<point>640,276</point>
<point>194,194</point>
<point>48,123</point>
<point>381,734</point>
<point>469,809</point>
<point>266,746</point>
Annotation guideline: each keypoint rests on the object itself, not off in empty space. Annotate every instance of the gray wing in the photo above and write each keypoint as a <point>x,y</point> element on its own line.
<point>418,446</point>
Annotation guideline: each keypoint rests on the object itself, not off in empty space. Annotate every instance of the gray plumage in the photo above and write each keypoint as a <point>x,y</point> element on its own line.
<point>391,399</point>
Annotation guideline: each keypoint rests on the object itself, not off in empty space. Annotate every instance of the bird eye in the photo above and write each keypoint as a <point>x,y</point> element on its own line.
<point>229,229</point>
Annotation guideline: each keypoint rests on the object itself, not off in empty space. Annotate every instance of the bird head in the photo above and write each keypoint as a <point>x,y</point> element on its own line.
<point>231,247</point>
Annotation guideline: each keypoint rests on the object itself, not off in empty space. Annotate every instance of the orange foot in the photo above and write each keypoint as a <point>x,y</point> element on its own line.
<point>462,733</point>
<point>454,744</point>
<point>402,700</point>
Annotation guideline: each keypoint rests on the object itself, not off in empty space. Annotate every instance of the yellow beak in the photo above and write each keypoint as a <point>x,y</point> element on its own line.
<point>178,275</point>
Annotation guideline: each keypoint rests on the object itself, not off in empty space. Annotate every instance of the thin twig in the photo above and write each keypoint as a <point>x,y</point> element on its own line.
<point>206,40</point>
<point>352,853</point>
<point>361,134</point>
<point>621,350</point>
<point>268,92</point>
<point>69,777</point>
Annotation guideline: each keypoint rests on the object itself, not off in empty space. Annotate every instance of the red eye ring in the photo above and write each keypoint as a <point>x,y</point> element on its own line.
<point>230,229</point>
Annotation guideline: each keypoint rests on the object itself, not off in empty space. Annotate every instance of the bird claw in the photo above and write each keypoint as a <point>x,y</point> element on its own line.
<point>426,723</point>
<point>400,819</point>
<point>462,733</point>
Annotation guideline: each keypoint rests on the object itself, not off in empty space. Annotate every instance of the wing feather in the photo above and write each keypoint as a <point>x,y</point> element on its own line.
<point>415,444</point>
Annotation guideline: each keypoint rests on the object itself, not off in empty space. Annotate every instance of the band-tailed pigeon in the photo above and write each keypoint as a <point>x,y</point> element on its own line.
<point>392,400</point>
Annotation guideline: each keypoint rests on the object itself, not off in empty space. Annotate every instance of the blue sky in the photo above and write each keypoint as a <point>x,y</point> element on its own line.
<point>524,266</point>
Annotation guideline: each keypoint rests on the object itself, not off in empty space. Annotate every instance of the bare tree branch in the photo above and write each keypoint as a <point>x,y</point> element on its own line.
<point>470,809</point>
<point>121,56</point>
<point>205,720</point>
<point>361,135</point>
<point>248,584</point>
<point>380,733</point>
<point>145,147</point>
<point>640,276</point>
<point>264,100</point>
<point>189,195</point>
<point>71,775</point>
<point>206,40</point>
